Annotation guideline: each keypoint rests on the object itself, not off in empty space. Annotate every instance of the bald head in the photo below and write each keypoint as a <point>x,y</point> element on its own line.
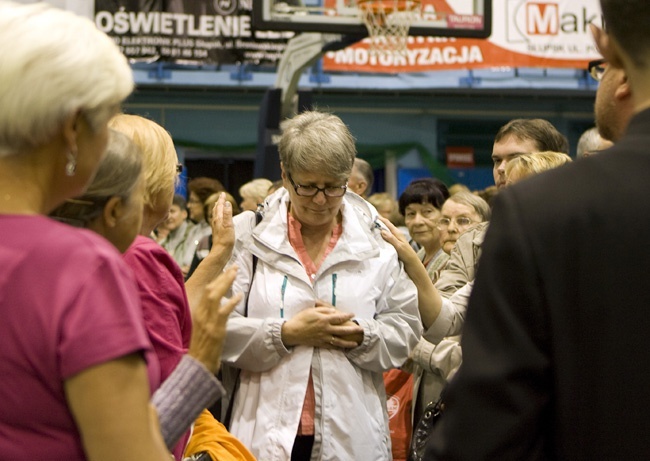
<point>361,178</point>
<point>591,142</point>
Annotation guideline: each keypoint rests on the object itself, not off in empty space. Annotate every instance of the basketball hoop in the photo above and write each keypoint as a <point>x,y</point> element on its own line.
<point>388,23</point>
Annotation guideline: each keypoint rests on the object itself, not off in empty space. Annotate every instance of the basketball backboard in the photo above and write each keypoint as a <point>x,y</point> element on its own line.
<point>443,18</point>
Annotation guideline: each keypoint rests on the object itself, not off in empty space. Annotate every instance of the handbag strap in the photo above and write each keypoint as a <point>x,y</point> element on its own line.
<point>228,416</point>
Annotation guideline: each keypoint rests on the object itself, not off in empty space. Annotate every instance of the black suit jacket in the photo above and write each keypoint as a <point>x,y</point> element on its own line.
<point>556,345</point>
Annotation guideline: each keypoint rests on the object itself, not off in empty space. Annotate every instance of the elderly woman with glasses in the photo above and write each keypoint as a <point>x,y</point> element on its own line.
<point>460,212</point>
<point>328,308</point>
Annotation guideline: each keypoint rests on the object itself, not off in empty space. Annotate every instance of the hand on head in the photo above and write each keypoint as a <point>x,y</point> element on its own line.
<point>397,238</point>
<point>209,320</point>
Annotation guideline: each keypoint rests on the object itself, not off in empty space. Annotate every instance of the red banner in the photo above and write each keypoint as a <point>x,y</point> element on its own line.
<point>460,156</point>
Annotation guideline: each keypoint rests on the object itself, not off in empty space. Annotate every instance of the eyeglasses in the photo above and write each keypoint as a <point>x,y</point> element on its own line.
<point>311,191</point>
<point>461,221</point>
<point>179,168</point>
<point>597,69</point>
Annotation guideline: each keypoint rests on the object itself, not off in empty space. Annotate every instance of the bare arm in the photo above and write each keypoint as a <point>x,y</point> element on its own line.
<point>110,404</point>
<point>110,401</point>
<point>223,240</point>
<point>429,299</point>
<point>192,386</point>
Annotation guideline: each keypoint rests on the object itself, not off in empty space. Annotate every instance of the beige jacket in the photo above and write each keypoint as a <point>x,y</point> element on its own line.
<point>461,267</point>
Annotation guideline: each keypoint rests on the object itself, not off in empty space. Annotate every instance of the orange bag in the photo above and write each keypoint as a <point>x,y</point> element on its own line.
<point>399,399</point>
<point>211,436</point>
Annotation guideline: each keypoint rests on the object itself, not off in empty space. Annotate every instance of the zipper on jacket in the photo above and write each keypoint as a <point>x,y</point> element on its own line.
<point>334,276</point>
<point>282,292</point>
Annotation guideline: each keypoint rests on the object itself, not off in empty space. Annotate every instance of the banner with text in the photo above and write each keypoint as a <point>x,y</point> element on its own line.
<point>196,32</point>
<point>525,33</point>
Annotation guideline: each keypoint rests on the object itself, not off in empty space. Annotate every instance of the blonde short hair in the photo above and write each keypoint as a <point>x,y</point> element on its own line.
<point>256,189</point>
<point>209,202</point>
<point>529,164</point>
<point>159,156</point>
<point>54,63</point>
<point>379,199</point>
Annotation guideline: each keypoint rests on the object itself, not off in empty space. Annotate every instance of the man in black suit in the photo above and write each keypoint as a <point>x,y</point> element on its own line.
<point>556,345</point>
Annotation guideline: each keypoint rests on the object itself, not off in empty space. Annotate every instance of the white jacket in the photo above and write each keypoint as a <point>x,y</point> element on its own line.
<point>364,275</point>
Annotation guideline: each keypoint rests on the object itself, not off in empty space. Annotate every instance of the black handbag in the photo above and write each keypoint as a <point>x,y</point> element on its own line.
<point>422,432</point>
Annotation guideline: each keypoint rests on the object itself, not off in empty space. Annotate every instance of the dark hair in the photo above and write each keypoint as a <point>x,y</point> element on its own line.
<point>425,190</point>
<point>180,202</point>
<point>540,131</point>
<point>487,194</point>
<point>204,187</point>
<point>628,22</point>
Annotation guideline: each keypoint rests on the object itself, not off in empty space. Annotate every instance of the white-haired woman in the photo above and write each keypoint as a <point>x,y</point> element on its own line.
<point>72,340</point>
<point>329,308</point>
<point>253,193</point>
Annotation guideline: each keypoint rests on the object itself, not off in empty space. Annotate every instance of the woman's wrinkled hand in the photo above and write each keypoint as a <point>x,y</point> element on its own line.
<point>223,230</point>
<point>395,237</point>
<point>209,320</point>
<point>322,326</point>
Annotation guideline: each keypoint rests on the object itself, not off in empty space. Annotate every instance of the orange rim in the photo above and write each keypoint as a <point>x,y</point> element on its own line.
<point>387,6</point>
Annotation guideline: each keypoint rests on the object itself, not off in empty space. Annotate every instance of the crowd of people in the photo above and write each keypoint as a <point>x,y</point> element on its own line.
<point>315,319</point>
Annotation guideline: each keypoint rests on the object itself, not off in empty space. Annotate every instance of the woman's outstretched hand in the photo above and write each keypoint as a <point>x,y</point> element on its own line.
<point>223,230</point>
<point>209,320</point>
<point>223,241</point>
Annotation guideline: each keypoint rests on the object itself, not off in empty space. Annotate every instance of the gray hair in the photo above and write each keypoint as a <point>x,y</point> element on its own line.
<point>365,170</point>
<point>590,141</point>
<point>54,64</point>
<point>117,175</point>
<point>474,201</point>
<point>316,141</point>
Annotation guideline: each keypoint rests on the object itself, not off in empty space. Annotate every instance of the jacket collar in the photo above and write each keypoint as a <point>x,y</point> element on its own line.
<point>357,242</point>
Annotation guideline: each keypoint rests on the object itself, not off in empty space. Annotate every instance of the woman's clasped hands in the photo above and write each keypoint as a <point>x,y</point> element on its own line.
<point>322,326</point>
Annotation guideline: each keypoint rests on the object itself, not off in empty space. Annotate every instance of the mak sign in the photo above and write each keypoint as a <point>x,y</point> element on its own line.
<point>525,33</point>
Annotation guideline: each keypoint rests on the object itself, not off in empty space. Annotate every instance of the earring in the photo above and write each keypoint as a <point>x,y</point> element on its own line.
<point>71,166</point>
